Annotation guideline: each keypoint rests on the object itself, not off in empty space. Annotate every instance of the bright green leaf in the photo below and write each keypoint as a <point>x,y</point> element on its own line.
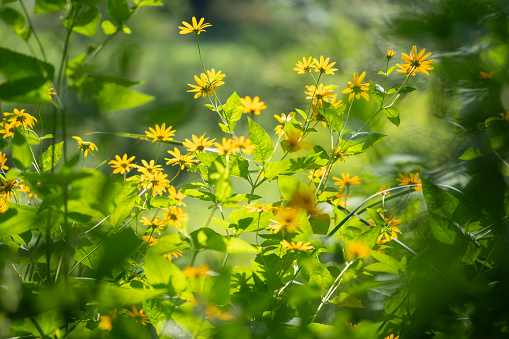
<point>48,6</point>
<point>471,153</point>
<point>361,142</point>
<point>123,204</point>
<point>376,92</point>
<point>334,116</point>
<point>232,112</point>
<point>108,27</point>
<point>18,219</point>
<point>263,146</point>
<point>315,273</point>
<point>392,113</point>
<point>86,23</point>
<point>21,154</point>
<point>50,158</point>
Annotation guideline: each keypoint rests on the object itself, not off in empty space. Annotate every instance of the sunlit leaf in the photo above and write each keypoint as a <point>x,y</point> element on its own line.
<point>51,156</point>
<point>48,6</point>
<point>361,142</point>
<point>119,10</point>
<point>392,113</point>
<point>263,146</point>
<point>86,23</point>
<point>21,154</point>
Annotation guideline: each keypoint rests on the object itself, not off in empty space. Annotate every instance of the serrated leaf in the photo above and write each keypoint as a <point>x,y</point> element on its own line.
<point>392,113</point>
<point>361,142</point>
<point>51,156</point>
<point>333,116</point>
<point>263,145</point>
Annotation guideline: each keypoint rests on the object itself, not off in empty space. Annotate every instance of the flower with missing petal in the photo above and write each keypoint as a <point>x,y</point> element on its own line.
<point>253,106</point>
<point>304,65</point>
<point>180,159</point>
<point>410,178</point>
<point>357,88</point>
<point>198,145</point>
<point>196,27</point>
<point>323,65</point>
<point>122,165</point>
<point>85,146</point>
<point>346,180</point>
<point>160,133</point>
<point>415,62</point>
<point>139,316</point>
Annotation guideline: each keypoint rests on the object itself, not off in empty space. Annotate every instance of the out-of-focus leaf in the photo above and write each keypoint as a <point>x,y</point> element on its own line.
<point>150,3</point>
<point>21,154</point>
<point>376,92</point>
<point>108,27</point>
<point>163,273</point>
<point>119,11</point>
<point>385,263</point>
<point>48,6</point>
<point>315,273</point>
<point>87,21</point>
<point>471,153</point>
<point>110,93</point>
<point>18,219</point>
<point>347,300</point>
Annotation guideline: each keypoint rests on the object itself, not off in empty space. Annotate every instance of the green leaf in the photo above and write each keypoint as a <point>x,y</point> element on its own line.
<point>21,154</point>
<point>236,245</point>
<point>347,300</point>
<point>224,186</point>
<point>169,243</point>
<point>391,69</point>
<point>471,153</point>
<point>288,186</point>
<point>314,159</point>
<point>263,146</point>
<point>446,213</point>
<point>407,89</point>
<point>392,113</point>
<point>232,112</point>
<point>18,219</point>
<point>361,142</point>
<point>320,223</point>
<point>13,19</point>
<point>333,116</point>
<point>110,93</point>
<point>50,158</point>
<point>150,3</point>
<point>123,203</point>
<point>48,6</point>
<point>376,92</point>
<point>86,23</point>
<point>108,27</point>
<point>27,78</point>
<point>119,11</point>
<point>386,263</point>
<point>315,273</point>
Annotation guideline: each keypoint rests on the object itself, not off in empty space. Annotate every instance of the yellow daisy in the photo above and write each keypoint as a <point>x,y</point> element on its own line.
<point>198,145</point>
<point>304,65</point>
<point>410,178</point>
<point>253,106</point>
<point>415,62</point>
<point>180,159</point>
<point>122,165</point>
<point>357,88</point>
<point>323,65</point>
<point>196,27</point>
<point>175,216</point>
<point>85,146</point>
<point>346,180</point>
<point>160,133</point>
<point>299,246</point>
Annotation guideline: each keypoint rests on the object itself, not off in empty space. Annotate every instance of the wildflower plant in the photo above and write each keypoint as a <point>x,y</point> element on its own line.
<point>129,252</point>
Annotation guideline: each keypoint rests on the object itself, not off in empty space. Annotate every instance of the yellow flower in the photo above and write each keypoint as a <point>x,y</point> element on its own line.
<point>198,145</point>
<point>392,337</point>
<point>303,199</point>
<point>156,181</point>
<point>287,220</point>
<point>85,146</point>
<point>155,224</point>
<point>357,248</point>
<point>294,142</point>
<point>504,116</point>
<point>258,208</point>
<point>196,27</point>
<point>3,205</point>
<point>415,62</point>
<point>8,129</point>
<point>339,154</point>
<point>212,312</point>
<point>170,255</point>
<point>203,88</point>
<point>357,88</point>
<point>122,165</point>
<point>215,79</point>
<point>317,173</point>
<point>7,188</point>
<point>23,187</point>
<point>3,159</point>
<point>341,199</point>
<point>149,168</point>
<point>283,119</point>
<point>106,321</point>
<point>385,194</point>
<point>179,196</point>
<point>323,66</point>
<point>244,145</point>
<point>484,75</point>
<point>346,181</point>
<point>390,54</point>
<point>253,106</point>
<point>138,316</point>
<point>150,240</point>
<point>299,246</point>
<point>180,159</point>
<point>193,272</point>
<point>319,94</point>
<point>304,65</point>
<point>226,147</point>
<point>410,178</point>
<point>21,118</point>
<point>175,216</point>
<point>335,103</point>
<point>160,133</point>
